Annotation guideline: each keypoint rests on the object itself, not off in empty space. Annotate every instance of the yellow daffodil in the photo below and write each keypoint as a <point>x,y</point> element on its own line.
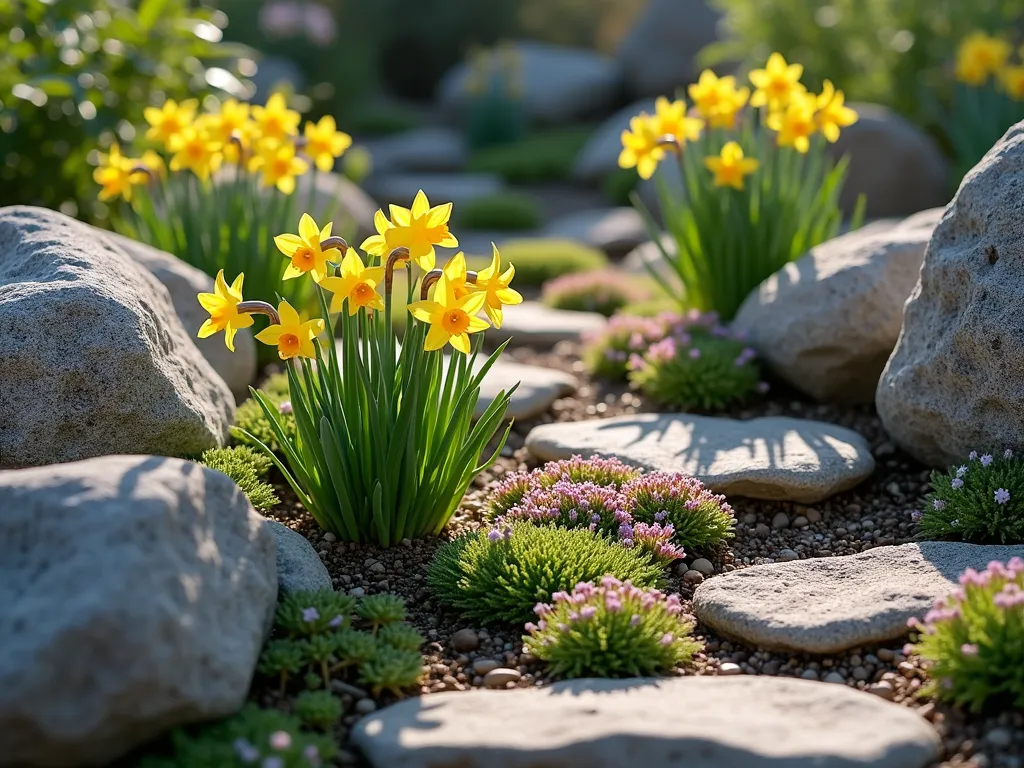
<point>670,120</point>
<point>169,120</point>
<point>494,285</point>
<point>304,249</point>
<point>640,148</point>
<point>776,84</point>
<point>292,337</point>
<point>275,120</point>
<point>325,143</point>
<point>231,125</point>
<point>717,99</point>
<point>832,114</point>
<point>456,272</point>
<point>419,229</point>
<point>1012,79</point>
<point>797,123</point>
<point>980,57</point>
<point>278,165</point>
<point>114,175</point>
<point>222,305</point>
<point>153,162</point>
<point>357,284</point>
<point>731,167</point>
<point>196,151</point>
<point>451,320</point>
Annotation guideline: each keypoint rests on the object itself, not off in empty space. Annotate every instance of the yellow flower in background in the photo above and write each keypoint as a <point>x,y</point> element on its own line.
<point>731,167</point>
<point>275,120</point>
<point>419,229</point>
<point>357,284</point>
<point>670,120</point>
<point>494,285</point>
<point>222,305</point>
<point>278,165</point>
<point>979,57</point>
<point>169,120</point>
<point>640,147</point>
<point>196,151</point>
<point>456,272</point>
<point>451,320</point>
<point>232,124</point>
<point>153,162</point>
<point>304,249</point>
<point>325,143</point>
<point>292,337</point>
<point>1012,79</point>
<point>832,114</point>
<point>717,99</point>
<point>797,123</point>
<point>114,175</point>
<point>776,84</point>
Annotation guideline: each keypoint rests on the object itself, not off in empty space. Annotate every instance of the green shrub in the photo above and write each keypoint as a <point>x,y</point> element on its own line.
<point>973,639</point>
<point>544,156</point>
<point>980,501</point>
<point>699,518</point>
<point>244,739</point>
<point>605,291</point>
<point>606,353</point>
<point>501,576</point>
<point>611,630</point>
<point>251,420</point>
<point>696,368</point>
<point>502,211</point>
<point>72,74</point>
<point>538,260</point>
<point>245,466</point>
<point>317,709</point>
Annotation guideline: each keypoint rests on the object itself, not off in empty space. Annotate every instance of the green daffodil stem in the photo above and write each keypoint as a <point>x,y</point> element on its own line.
<point>397,255</point>
<point>436,274</point>
<point>259,308</point>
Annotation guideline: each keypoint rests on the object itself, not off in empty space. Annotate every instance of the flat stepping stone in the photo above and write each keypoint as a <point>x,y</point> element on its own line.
<point>698,722</point>
<point>616,231</point>
<point>775,458</point>
<point>538,388</point>
<point>531,324</point>
<point>831,604</point>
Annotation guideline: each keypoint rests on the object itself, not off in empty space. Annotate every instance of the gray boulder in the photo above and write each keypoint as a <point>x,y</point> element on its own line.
<point>137,592</point>
<point>183,282</point>
<point>299,567</point>
<point>433,148</point>
<point>658,55</point>
<point>827,322</point>
<point>895,164</point>
<point>600,155</point>
<point>558,84</point>
<point>955,381</point>
<point>95,360</point>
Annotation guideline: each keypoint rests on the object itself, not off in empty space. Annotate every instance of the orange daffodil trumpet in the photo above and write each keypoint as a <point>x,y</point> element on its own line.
<point>357,285</point>
<point>304,249</point>
<point>451,319</point>
<point>292,336</point>
<point>730,167</point>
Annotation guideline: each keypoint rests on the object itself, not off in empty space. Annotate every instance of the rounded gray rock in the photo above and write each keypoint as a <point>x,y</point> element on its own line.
<point>955,381</point>
<point>137,592</point>
<point>299,567</point>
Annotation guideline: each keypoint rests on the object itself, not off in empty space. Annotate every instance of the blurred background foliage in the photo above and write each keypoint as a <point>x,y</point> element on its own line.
<point>75,73</point>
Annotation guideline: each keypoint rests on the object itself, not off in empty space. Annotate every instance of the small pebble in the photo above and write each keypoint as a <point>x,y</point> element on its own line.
<point>800,522</point>
<point>703,566</point>
<point>781,520</point>
<point>729,668</point>
<point>885,654</point>
<point>860,673</point>
<point>483,666</point>
<point>762,531</point>
<point>882,689</point>
<point>366,706</point>
<point>377,568</point>
<point>693,577</point>
<point>357,591</point>
<point>810,674</point>
<point>906,669</point>
<point>330,537</point>
<point>465,640</point>
<point>499,678</point>
<point>787,555</point>
<point>835,677</point>
<point>999,737</point>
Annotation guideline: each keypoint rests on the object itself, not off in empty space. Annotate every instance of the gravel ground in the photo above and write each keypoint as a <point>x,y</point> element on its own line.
<point>459,656</point>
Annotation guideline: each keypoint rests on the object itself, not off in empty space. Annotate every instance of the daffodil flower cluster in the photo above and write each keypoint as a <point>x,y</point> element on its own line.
<point>384,444</point>
<point>760,189</point>
<point>982,58</point>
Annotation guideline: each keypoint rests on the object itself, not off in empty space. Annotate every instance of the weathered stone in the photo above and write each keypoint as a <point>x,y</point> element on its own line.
<point>183,282</point>
<point>137,592</point>
<point>955,381</point>
<point>893,163</point>
<point>745,720</point>
<point>831,604</point>
<point>94,358</point>
<point>299,567</point>
<point>828,322</point>
<point>531,324</point>
<point>659,53</point>
<point>538,388</point>
<point>558,84</point>
<point>616,231</point>
<point>599,156</point>
<point>457,188</point>
<point>427,149</point>
<point>775,458</point>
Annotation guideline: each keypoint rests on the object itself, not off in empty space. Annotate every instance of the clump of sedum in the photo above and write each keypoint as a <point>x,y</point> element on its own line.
<point>606,352</point>
<point>317,709</point>
<point>597,470</point>
<point>247,468</point>
<point>501,575</point>
<point>613,629</point>
<point>699,517</point>
<point>973,639</point>
<point>981,500</point>
<point>604,291</point>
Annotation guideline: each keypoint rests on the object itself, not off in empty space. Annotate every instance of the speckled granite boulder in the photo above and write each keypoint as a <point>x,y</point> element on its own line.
<point>94,359</point>
<point>955,381</point>
<point>137,592</point>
